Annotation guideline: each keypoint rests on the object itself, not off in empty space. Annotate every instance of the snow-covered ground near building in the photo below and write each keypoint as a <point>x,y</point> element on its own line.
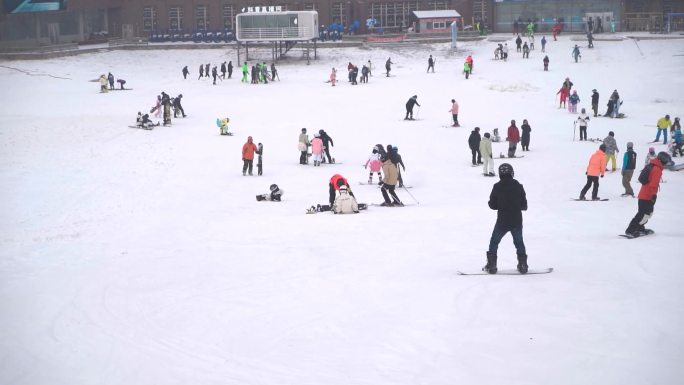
<point>142,257</point>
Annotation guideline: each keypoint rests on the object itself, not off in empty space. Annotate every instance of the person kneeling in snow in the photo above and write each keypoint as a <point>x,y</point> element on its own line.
<point>345,203</point>
<point>275,195</point>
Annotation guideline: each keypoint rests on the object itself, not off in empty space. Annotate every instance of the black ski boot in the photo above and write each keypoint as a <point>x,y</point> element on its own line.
<point>522,263</point>
<point>490,267</point>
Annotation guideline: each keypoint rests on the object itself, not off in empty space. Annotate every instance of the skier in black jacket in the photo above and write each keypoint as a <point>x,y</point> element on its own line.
<point>185,72</point>
<point>509,199</point>
<point>327,142</point>
<point>413,100</point>
<point>594,101</point>
<point>474,144</point>
<point>230,69</point>
<point>177,107</point>
<point>223,70</point>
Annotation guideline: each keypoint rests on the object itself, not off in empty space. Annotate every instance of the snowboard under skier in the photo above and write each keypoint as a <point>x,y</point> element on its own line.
<point>648,195</point>
<point>595,169</point>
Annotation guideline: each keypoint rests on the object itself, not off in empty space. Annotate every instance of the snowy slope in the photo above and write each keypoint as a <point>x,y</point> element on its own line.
<point>142,257</point>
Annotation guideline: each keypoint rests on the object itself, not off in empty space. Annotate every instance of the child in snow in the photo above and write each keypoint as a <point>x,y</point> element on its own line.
<point>275,195</point>
<point>103,84</point>
<point>333,76</point>
<point>375,165</point>
<point>563,92</point>
<point>317,149</point>
<point>574,99</point>
<point>651,155</point>
<point>223,125</point>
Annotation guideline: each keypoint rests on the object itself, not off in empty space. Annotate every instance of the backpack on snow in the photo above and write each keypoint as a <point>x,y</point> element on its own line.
<point>645,174</point>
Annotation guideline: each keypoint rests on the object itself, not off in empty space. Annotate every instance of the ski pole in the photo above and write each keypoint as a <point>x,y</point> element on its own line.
<point>411,195</point>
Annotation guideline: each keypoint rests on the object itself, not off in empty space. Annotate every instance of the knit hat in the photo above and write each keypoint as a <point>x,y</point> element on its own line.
<point>630,145</point>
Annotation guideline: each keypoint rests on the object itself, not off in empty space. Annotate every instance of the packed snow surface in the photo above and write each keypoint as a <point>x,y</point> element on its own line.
<point>142,257</point>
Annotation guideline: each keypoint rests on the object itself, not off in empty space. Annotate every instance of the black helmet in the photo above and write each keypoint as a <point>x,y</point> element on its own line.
<point>274,187</point>
<point>321,132</point>
<point>664,158</point>
<point>505,169</point>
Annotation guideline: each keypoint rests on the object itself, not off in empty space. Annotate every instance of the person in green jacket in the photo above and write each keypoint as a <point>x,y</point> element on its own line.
<point>466,69</point>
<point>245,72</point>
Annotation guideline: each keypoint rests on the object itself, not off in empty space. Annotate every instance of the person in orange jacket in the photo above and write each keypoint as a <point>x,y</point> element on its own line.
<point>648,195</point>
<point>596,169</point>
<point>248,150</point>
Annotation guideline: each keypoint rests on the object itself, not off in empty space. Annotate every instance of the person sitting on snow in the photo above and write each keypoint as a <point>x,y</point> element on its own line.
<point>345,203</point>
<point>275,195</point>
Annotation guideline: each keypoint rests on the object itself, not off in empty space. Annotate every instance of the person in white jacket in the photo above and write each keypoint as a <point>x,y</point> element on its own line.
<point>345,203</point>
<point>583,120</point>
<point>486,151</point>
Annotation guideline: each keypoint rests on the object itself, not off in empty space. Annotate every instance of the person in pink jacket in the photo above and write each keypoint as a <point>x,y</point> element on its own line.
<point>317,149</point>
<point>375,165</point>
<point>454,113</point>
<point>595,169</point>
<point>333,76</point>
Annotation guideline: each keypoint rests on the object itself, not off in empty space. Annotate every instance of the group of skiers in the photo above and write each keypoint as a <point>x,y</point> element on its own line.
<point>165,103</point>
<point>108,80</point>
<point>259,72</point>
<point>320,147</point>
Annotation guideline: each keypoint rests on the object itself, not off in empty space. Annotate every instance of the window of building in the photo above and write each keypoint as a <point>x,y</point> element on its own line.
<point>395,14</point>
<point>339,13</point>
<point>201,22</point>
<point>149,18</point>
<point>176,18</point>
<point>437,5</point>
<point>309,6</point>
<point>228,16</point>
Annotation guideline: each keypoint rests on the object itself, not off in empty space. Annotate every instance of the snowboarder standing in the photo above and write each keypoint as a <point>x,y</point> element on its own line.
<point>663,124</point>
<point>546,62</point>
<point>317,149</point>
<point>185,72</point>
<point>487,156</point>
<point>583,120</point>
<point>611,149</point>
<point>576,53</point>
<point>513,139</point>
<point>509,199</point>
<point>431,64</point>
<point>413,100</point>
<point>388,66</point>
<point>628,166</point>
<point>327,143</point>
<point>518,43</point>
<point>525,138</point>
<point>303,147</point>
<point>474,144</point>
<point>594,101</point>
<point>596,168</point>
<point>248,150</point>
<point>648,195</point>
<point>454,113</point>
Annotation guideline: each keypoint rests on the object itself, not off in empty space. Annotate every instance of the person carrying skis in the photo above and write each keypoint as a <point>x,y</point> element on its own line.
<point>389,181</point>
<point>508,198</point>
<point>345,203</point>
<point>275,195</point>
<point>628,166</point>
<point>248,150</point>
<point>663,124</point>
<point>513,139</point>
<point>454,113</point>
<point>466,69</point>
<point>518,44</point>
<point>583,120</point>
<point>413,100</point>
<point>431,64</point>
<point>245,72</point>
<point>185,72</point>
<point>573,99</point>
<point>327,143</point>
<point>474,144</point>
<point>525,137</point>
<point>594,101</point>
<point>337,181</point>
<point>303,147</point>
<point>375,165</point>
<point>260,160</point>
<point>487,156</point>
<point>596,168</point>
<point>611,148</point>
<point>576,53</point>
<point>546,62</point>
<point>648,195</point>
<point>388,66</point>
<point>201,72</point>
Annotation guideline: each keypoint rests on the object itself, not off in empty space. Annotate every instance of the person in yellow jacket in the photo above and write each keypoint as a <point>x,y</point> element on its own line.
<point>595,169</point>
<point>663,124</point>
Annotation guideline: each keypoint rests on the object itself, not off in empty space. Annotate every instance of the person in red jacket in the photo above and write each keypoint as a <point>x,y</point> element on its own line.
<point>336,181</point>
<point>248,150</point>
<point>564,92</point>
<point>647,196</point>
<point>513,139</point>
